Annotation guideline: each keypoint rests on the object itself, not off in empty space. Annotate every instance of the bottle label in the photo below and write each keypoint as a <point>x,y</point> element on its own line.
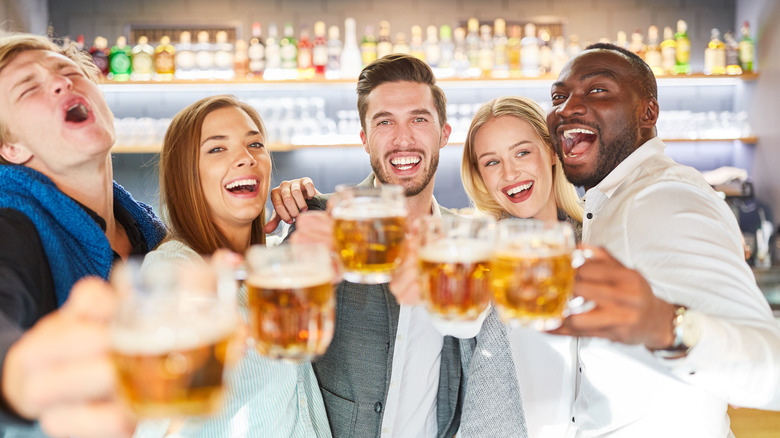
<point>120,63</point>
<point>142,63</point>
<point>164,62</point>
<point>320,55</point>
<point>746,52</point>
<point>683,51</point>
<point>185,60</point>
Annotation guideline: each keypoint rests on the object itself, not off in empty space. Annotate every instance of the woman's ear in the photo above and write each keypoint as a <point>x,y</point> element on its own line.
<point>14,154</point>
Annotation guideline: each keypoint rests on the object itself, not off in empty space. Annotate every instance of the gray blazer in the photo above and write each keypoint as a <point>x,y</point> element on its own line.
<point>354,374</point>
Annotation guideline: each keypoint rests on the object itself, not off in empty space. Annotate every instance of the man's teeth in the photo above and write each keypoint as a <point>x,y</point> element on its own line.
<point>77,113</point>
<point>405,162</point>
<point>519,189</point>
<point>570,133</point>
<point>240,183</point>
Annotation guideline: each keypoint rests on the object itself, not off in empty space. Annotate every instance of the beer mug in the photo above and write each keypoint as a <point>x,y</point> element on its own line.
<point>533,271</point>
<point>369,230</point>
<point>171,338</point>
<point>454,258</point>
<point>291,300</point>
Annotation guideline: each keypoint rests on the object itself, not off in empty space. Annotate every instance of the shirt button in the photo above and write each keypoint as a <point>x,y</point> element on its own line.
<point>385,431</point>
<point>572,419</point>
<point>580,369</point>
<point>378,407</point>
<point>589,215</point>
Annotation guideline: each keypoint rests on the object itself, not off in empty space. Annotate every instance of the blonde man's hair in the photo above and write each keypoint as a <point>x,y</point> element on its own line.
<point>524,109</point>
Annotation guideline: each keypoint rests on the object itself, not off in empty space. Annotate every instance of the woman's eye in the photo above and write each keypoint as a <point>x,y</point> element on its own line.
<point>490,163</point>
<point>256,144</point>
<point>215,150</point>
<point>522,153</point>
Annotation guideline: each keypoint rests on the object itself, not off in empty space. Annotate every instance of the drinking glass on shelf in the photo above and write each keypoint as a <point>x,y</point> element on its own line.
<point>291,297</point>
<point>369,230</point>
<point>172,338</point>
<point>533,271</point>
<point>454,256</point>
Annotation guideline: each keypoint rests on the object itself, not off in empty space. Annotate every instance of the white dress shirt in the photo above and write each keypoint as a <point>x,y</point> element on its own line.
<point>665,221</point>
<point>410,408</point>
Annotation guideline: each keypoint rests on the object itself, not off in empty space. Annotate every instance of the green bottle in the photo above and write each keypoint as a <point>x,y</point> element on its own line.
<point>119,63</point>
<point>683,54</point>
<point>288,49</point>
<point>747,50</point>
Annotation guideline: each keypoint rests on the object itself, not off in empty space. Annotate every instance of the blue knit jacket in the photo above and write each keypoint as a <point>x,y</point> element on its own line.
<point>75,245</point>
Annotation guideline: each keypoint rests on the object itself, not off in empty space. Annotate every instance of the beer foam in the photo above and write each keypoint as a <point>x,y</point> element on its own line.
<point>289,277</point>
<point>147,338</point>
<point>368,210</point>
<point>457,251</point>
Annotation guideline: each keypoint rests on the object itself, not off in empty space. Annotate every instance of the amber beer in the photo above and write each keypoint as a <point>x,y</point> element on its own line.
<point>173,371</point>
<point>455,278</point>
<point>369,230</point>
<point>292,313</point>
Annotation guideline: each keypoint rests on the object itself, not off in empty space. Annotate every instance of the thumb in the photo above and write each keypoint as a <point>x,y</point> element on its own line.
<point>271,225</point>
<point>90,299</point>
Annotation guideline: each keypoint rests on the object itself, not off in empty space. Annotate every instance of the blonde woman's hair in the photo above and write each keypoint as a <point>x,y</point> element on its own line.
<point>525,109</point>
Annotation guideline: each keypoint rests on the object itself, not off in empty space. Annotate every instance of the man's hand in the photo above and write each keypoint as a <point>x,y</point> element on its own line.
<point>405,283</point>
<point>626,309</point>
<point>60,371</point>
<point>289,200</point>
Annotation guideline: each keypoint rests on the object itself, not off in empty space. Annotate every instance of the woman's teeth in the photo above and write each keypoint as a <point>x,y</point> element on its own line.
<point>242,184</point>
<point>514,190</point>
<point>404,163</point>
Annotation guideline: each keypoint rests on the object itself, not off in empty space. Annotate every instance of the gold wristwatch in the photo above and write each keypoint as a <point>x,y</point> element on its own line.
<point>686,335</point>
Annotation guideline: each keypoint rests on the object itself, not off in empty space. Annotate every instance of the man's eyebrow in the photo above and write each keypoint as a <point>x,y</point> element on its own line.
<point>23,81</point>
<point>606,73</point>
<point>381,114</point>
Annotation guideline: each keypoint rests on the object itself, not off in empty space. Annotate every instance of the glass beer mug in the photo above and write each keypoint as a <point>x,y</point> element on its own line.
<point>369,230</point>
<point>291,297</point>
<point>454,258</point>
<point>172,338</point>
<point>533,271</point>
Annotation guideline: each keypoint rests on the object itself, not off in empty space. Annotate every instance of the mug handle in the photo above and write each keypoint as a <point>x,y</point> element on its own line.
<point>579,305</point>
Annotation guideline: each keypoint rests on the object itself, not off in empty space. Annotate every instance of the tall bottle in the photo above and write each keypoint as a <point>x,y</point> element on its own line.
<point>574,47</point>
<point>204,56</point>
<point>732,54</point>
<point>622,39</point>
<point>319,51</point>
<point>486,55</point>
<point>335,47</point>
<point>715,55</point>
<point>500,55</point>
<point>305,56</point>
<point>747,49</point>
<point>683,51</point>
<point>473,42</point>
<point>241,60</point>
<point>288,49</point>
<point>529,54</point>
<point>513,47</point>
<point>120,66</point>
<point>653,56</point>
<point>401,46</point>
<point>668,51</point>
<point>273,52</point>
<point>100,52</point>
<point>351,60</point>
<point>559,56</point>
<point>416,48</point>
<point>256,51</point>
<point>368,51</point>
<point>460,60</point>
<point>165,59</point>
<point>637,44</point>
<point>545,51</point>
<point>224,56</point>
<point>446,47</point>
<point>185,57</point>
<point>384,46</point>
<point>431,46</point>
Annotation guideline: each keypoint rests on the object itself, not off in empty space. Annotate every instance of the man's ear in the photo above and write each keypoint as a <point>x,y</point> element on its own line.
<point>364,139</point>
<point>650,113</point>
<point>14,153</point>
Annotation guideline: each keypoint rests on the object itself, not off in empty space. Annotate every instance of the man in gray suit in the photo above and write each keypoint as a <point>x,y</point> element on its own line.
<point>388,371</point>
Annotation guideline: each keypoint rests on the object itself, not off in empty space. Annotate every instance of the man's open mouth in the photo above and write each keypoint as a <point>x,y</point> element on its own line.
<point>242,186</point>
<point>576,141</point>
<point>405,163</point>
<point>77,113</point>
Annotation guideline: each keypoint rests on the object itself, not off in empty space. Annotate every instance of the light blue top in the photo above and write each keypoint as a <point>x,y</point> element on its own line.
<point>264,397</point>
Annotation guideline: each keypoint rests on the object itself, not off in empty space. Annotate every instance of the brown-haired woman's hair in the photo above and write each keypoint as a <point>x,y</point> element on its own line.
<point>529,111</point>
<point>13,44</point>
<point>398,67</point>
<point>182,202</point>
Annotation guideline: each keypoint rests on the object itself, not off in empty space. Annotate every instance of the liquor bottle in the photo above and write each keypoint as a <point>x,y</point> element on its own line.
<point>384,46</point>
<point>460,60</point>
<point>486,59</point>
<point>119,61</point>
<point>241,60</point>
<point>513,48</point>
<point>319,51</point>
<point>732,54</point>
<point>165,59</point>
<point>100,52</point>
<point>416,48</point>
<point>668,51</point>
<point>637,44</point>
<point>500,55</point>
<point>559,56</point>
<point>653,56</point>
<point>224,57</point>
<point>431,46</point>
<point>473,42</point>
<point>368,46</point>
<point>204,56</point>
<point>574,47</point>
<point>545,51</point>
<point>446,47</point>
<point>185,57</point>
<point>715,55</point>
<point>351,60</point>
<point>529,54</point>
<point>256,51</point>
<point>305,58</point>
<point>400,45</point>
<point>683,52</point>
<point>288,49</point>
<point>622,40</point>
<point>273,55</point>
<point>747,49</point>
<point>335,47</point>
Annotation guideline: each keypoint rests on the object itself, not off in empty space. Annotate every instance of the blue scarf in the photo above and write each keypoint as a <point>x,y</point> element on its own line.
<point>75,245</point>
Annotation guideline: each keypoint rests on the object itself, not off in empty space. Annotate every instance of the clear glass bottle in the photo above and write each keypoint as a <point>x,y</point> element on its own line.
<point>500,51</point>
<point>273,52</point>
<point>185,57</point>
<point>288,49</point>
<point>529,54</point>
<point>513,49</point>
<point>384,46</point>
<point>416,48</point>
<point>224,56</point>
<point>204,56</point>
<point>715,55</point>
<point>335,46</point>
<point>732,54</point>
<point>653,56</point>
<point>473,42</point>
<point>305,54</point>
<point>446,47</point>
<point>256,51</point>
<point>486,56</point>
<point>431,46</point>
<point>319,51</point>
